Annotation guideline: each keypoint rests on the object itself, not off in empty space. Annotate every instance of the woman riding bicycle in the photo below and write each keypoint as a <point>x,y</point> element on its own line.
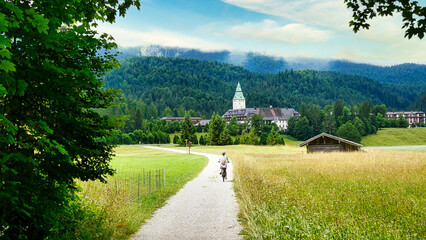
<point>223,164</point>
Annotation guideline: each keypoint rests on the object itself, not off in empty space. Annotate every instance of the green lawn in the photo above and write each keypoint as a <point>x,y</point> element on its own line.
<point>396,137</point>
<point>117,216</point>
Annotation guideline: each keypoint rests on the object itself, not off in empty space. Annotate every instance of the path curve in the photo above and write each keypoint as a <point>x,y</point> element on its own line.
<point>205,208</point>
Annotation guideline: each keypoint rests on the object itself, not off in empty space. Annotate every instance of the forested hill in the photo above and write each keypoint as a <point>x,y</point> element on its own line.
<point>407,73</point>
<point>208,87</point>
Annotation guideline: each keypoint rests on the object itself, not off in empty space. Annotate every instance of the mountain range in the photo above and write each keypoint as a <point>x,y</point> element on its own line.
<point>407,73</point>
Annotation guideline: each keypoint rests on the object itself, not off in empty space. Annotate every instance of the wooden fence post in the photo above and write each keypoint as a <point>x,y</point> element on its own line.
<point>138,183</point>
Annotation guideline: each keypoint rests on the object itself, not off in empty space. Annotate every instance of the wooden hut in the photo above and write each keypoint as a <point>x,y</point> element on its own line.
<point>328,143</point>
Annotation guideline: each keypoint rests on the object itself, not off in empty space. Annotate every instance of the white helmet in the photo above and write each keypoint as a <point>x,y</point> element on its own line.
<point>223,152</point>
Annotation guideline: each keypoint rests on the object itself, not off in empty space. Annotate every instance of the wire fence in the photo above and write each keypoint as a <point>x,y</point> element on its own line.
<point>129,187</point>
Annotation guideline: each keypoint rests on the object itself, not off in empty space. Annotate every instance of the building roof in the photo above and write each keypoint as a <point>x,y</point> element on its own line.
<point>203,122</point>
<point>273,113</point>
<point>238,92</point>
<point>329,136</point>
<point>242,112</point>
<point>266,113</point>
<point>410,112</point>
<point>180,118</point>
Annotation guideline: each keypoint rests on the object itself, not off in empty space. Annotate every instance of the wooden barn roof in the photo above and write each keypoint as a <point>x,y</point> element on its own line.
<point>330,136</point>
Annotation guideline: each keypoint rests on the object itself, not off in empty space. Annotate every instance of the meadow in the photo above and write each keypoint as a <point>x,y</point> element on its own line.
<point>285,193</point>
<point>396,137</point>
<point>120,207</point>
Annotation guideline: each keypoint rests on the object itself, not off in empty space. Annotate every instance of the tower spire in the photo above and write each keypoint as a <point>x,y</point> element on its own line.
<point>239,101</point>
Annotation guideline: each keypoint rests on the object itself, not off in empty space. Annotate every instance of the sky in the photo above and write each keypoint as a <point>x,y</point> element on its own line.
<point>282,28</point>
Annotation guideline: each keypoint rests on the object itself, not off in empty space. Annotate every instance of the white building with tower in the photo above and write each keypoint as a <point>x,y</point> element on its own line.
<point>278,116</point>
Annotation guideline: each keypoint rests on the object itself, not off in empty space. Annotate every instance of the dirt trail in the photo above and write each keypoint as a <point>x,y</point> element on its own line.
<point>205,208</point>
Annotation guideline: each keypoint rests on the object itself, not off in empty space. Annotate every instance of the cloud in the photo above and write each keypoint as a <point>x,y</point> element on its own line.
<point>129,38</point>
<point>294,33</point>
<point>326,13</point>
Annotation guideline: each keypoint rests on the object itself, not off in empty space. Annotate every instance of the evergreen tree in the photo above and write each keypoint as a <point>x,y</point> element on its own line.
<point>202,141</point>
<point>329,126</point>
<point>176,139</point>
<point>338,110</point>
<point>252,138</point>
<point>225,138</point>
<point>263,138</point>
<point>188,130</point>
<point>215,129</point>
<point>199,128</point>
<point>274,138</point>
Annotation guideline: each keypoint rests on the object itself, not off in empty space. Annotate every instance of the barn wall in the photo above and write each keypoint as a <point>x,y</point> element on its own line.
<point>323,148</point>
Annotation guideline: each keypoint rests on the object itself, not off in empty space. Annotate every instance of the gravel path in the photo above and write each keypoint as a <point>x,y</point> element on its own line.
<point>205,208</point>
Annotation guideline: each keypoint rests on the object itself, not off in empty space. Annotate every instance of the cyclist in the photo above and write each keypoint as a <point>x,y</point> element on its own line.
<point>223,160</point>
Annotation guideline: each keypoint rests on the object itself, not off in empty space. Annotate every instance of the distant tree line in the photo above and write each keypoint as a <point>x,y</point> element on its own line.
<point>347,122</point>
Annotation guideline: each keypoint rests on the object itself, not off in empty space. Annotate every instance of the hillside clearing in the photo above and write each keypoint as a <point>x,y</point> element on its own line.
<point>396,137</point>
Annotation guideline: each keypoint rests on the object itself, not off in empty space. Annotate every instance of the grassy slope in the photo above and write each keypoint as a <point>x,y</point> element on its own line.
<point>120,218</point>
<point>396,137</point>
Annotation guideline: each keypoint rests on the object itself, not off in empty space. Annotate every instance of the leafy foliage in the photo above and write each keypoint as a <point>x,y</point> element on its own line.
<point>413,14</point>
<point>50,73</point>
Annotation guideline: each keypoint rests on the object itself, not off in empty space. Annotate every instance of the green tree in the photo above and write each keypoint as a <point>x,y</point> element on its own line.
<point>252,138</point>
<point>188,130</point>
<point>338,110</point>
<point>381,121</point>
<point>360,126</point>
<point>225,138</point>
<point>167,112</point>
<point>380,109</point>
<point>302,130</point>
<point>233,126</point>
<point>274,138</point>
<point>138,119</point>
<point>402,122</point>
<point>51,68</point>
<point>329,124</point>
<point>176,139</point>
<point>202,141</point>
<point>215,129</point>
<point>420,103</point>
<point>413,14</point>
<point>257,123</point>
<point>349,131</point>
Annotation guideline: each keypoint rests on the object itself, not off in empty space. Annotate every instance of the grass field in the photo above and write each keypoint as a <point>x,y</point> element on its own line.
<point>285,193</point>
<point>396,137</point>
<point>117,216</point>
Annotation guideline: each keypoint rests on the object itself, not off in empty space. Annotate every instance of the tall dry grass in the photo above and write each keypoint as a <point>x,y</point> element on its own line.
<point>374,195</point>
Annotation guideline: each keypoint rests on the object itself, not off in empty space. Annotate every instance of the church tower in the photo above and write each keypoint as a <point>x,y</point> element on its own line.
<point>239,101</point>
